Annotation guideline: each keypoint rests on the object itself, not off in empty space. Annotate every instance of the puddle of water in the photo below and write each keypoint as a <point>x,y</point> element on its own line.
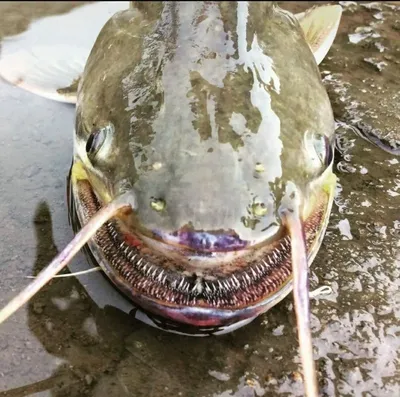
<point>75,337</point>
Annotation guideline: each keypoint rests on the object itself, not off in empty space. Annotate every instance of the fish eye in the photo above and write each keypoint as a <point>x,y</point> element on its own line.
<point>99,142</point>
<point>95,142</point>
<point>319,149</point>
<point>324,149</point>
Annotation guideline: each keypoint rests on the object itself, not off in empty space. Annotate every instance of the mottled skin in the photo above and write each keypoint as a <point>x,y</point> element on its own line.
<point>213,107</point>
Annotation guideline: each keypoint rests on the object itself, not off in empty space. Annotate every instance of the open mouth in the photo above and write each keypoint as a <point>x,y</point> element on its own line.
<point>163,281</point>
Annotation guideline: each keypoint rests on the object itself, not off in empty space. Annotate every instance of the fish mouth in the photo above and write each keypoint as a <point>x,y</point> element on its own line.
<point>168,283</point>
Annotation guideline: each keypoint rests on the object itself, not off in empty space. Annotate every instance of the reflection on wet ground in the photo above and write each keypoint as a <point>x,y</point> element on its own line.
<point>70,342</point>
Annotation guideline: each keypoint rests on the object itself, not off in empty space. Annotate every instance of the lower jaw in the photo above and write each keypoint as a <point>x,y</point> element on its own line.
<point>225,300</point>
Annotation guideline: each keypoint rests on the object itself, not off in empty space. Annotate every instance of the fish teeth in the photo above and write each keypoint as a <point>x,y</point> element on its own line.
<point>226,285</point>
<point>248,277</point>
<point>198,286</point>
<point>149,269</point>
<point>132,256</point>
<point>236,280</point>
<point>143,267</point>
<point>181,283</point>
<point>160,275</point>
<point>207,287</point>
<point>187,287</point>
<point>145,284</point>
<point>266,266</point>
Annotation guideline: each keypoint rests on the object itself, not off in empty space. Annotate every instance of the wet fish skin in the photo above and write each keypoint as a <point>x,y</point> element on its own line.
<point>182,94</point>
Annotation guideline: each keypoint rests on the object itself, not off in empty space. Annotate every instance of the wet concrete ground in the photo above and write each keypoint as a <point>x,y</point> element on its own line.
<point>68,342</point>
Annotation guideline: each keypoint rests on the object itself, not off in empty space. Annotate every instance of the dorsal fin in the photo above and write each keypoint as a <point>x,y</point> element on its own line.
<point>320,25</point>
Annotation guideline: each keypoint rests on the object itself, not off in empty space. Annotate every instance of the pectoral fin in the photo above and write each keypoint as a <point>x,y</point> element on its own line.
<point>50,72</point>
<point>49,58</point>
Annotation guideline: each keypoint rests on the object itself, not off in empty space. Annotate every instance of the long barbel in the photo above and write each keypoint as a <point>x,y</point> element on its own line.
<point>120,204</point>
<point>294,224</point>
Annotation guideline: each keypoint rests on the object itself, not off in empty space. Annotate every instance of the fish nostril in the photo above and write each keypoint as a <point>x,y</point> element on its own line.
<point>157,204</point>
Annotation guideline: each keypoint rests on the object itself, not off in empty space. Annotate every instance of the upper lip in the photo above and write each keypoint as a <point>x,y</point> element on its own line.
<point>203,241</point>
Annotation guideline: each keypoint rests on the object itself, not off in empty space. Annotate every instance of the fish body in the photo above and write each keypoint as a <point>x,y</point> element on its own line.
<point>211,120</point>
<point>206,112</point>
<point>201,177</point>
